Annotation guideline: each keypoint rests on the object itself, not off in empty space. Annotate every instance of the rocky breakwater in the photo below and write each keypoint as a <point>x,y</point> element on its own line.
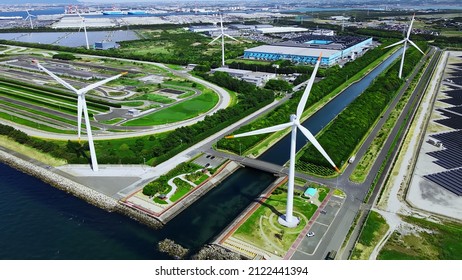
<point>215,252</point>
<point>60,182</point>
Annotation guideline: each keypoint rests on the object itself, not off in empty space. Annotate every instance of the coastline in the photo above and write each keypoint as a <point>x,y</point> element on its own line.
<point>78,190</point>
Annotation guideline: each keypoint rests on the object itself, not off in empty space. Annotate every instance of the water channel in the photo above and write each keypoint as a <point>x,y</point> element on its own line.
<point>40,222</point>
<point>279,153</point>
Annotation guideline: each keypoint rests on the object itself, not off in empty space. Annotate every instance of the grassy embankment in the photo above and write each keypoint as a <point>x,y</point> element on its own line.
<point>372,232</point>
<point>428,241</point>
<point>262,146</point>
<point>30,152</point>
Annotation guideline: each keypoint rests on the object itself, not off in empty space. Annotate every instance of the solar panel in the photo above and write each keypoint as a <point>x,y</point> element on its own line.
<point>450,180</point>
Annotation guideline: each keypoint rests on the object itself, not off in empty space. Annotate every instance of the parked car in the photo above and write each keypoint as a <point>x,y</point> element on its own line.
<point>310,234</point>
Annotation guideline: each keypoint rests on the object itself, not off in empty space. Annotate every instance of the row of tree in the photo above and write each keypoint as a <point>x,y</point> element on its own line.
<point>343,135</point>
<point>334,79</point>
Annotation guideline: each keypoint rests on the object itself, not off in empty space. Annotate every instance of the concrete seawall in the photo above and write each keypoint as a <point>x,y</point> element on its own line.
<point>89,195</point>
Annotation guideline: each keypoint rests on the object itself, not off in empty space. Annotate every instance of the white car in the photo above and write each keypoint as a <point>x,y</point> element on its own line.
<point>310,234</point>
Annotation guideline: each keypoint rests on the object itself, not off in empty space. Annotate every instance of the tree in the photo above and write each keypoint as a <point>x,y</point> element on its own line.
<point>278,85</point>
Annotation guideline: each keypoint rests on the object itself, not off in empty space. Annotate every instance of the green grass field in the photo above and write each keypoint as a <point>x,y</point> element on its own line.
<point>431,241</point>
<point>155,98</point>
<point>373,231</point>
<point>182,189</point>
<point>179,112</point>
<point>263,230</point>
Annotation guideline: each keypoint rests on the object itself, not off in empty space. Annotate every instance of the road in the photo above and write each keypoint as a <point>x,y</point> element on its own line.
<point>356,193</point>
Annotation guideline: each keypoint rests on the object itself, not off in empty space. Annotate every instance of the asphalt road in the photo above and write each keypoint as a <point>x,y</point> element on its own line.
<point>356,193</point>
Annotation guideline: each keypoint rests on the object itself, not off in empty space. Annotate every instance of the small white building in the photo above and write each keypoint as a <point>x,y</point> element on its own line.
<point>133,112</point>
<point>257,78</point>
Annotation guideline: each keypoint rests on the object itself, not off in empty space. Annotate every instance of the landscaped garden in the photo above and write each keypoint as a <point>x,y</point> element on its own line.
<point>262,228</point>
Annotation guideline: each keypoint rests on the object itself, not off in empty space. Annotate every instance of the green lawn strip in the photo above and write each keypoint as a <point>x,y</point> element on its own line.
<point>175,67</point>
<point>185,95</point>
<point>159,201</point>
<point>373,231</point>
<point>159,185</point>
<point>63,105</point>
<point>155,97</point>
<point>322,192</point>
<point>39,113</point>
<point>201,179</point>
<point>132,103</point>
<point>32,124</point>
<point>340,193</point>
<point>179,112</point>
<point>365,163</point>
<point>51,93</point>
<point>258,223</point>
<point>182,189</point>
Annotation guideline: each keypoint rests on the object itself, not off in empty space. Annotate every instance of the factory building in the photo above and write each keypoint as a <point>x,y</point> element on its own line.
<point>306,49</point>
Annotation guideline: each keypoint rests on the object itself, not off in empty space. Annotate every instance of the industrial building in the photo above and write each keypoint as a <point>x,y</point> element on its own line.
<point>306,49</point>
<point>257,78</point>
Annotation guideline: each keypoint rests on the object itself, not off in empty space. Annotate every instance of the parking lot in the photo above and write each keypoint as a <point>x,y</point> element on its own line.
<point>309,245</point>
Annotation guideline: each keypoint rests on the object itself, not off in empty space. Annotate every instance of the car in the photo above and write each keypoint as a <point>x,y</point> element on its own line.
<point>212,157</point>
<point>323,212</point>
<point>310,234</point>
<point>207,156</point>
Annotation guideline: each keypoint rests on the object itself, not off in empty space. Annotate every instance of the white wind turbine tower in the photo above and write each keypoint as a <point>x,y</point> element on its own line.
<point>82,24</point>
<point>29,16</point>
<point>222,36</point>
<point>82,106</point>
<point>288,219</point>
<point>405,41</point>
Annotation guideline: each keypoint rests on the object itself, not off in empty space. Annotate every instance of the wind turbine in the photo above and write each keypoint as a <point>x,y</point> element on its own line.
<point>222,36</point>
<point>29,16</point>
<point>82,106</point>
<point>82,24</point>
<point>288,219</point>
<point>405,41</point>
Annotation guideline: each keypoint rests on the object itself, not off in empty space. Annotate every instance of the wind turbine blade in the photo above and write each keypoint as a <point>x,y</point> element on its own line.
<point>316,144</point>
<point>100,83</point>
<point>215,39</point>
<point>306,93</point>
<point>58,79</point>
<point>231,37</point>
<point>415,46</point>
<point>262,131</point>
<point>395,44</point>
<point>410,27</point>
<point>79,114</point>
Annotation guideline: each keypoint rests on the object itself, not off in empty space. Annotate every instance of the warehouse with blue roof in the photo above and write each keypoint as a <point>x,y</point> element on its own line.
<point>306,49</point>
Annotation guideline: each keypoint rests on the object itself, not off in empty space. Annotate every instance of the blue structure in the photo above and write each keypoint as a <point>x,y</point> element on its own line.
<point>310,192</point>
<point>306,49</point>
<point>105,45</point>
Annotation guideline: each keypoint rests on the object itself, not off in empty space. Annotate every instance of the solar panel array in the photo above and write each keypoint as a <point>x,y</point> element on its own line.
<point>450,180</point>
<point>452,120</point>
<point>450,158</point>
<point>456,109</point>
<point>455,97</point>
